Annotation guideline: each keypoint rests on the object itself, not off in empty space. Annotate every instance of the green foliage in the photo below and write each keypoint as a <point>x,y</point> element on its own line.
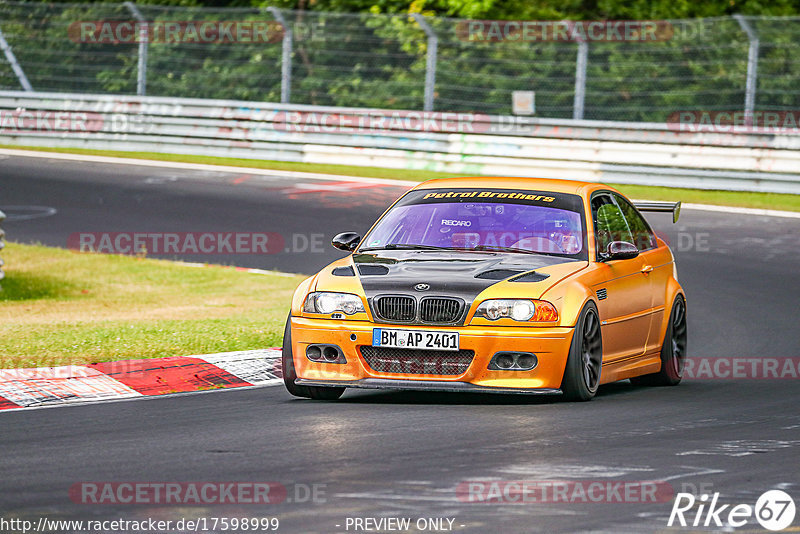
<point>371,53</point>
<point>553,9</point>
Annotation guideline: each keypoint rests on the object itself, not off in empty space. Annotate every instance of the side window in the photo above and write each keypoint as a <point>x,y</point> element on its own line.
<point>609,223</point>
<point>643,236</point>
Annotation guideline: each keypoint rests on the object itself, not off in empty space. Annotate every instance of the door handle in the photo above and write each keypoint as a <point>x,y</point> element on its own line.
<point>647,269</point>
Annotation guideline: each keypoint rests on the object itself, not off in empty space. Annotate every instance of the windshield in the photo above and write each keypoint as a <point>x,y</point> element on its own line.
<point>484,219</point>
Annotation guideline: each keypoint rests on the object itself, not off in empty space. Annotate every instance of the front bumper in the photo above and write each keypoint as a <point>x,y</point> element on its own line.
<point>550,344</point>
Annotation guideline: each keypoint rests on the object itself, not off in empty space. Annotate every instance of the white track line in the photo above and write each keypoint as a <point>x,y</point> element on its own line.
<point>204,167</point>
<point>321,176</point>
<point>743,211</point>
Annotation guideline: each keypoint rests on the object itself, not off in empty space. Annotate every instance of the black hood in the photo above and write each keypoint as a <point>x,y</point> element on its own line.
<point>463,275</point>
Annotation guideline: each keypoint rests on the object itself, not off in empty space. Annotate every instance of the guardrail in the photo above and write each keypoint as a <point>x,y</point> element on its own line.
<point>2,244</point>
<point>599,151</point>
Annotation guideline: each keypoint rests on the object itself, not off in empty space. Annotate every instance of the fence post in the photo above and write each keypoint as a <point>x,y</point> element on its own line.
<point>12,60</point>
<point>580,73</point>
<point>286,56</point>
<point>144,37</point>
<point>752,68</point>
<point>430,61</point>
<point>580,80</point>
<point>2,245</point>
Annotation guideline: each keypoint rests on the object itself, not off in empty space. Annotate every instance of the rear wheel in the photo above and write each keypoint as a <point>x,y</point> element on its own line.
<point>289,374</point>
<point>585,360</point>
<point>673,350</point>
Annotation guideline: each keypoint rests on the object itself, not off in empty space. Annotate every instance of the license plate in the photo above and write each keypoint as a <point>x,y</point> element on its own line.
<point>414,339</point>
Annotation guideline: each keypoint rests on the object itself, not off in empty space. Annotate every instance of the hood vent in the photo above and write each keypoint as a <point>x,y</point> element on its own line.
<point>532,276</point>
<point>367,269</point>
<point>498,274</point>
<point>343,271</point>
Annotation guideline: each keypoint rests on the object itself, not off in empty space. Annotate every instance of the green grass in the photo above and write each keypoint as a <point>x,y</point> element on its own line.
<point>59,307</point>
<point>774,201</point>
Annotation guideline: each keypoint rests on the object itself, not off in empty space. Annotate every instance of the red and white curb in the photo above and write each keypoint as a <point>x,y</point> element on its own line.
<point>125,379</point>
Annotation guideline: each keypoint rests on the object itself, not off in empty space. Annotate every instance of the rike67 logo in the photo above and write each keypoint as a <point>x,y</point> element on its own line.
<point>774,510</point>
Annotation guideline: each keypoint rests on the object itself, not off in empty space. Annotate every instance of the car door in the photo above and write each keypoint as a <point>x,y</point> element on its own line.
<point>657,266</point>
<point>623,290</point>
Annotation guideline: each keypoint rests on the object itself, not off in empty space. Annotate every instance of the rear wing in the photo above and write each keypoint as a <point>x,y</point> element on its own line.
<point>654,205</point>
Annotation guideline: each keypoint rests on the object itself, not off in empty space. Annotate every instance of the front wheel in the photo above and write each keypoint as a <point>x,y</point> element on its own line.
<point>289,374</point>
<point>585,360</point>
<point>673,350</point>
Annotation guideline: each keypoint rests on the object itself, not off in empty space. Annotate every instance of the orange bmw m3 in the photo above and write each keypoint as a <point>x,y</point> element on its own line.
<point>496,285</point>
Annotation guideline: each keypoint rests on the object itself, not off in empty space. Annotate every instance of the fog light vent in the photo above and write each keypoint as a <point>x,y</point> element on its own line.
<point>325,354</point>
<point>513,361</point>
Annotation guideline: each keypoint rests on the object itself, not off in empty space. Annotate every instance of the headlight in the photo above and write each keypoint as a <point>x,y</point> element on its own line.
<point>323,302</point>
<point>517,309</point>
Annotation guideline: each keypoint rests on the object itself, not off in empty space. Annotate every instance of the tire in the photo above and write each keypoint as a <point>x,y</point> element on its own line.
<point>289,374</point>
<point>673,350</point>
<point>585,359</point>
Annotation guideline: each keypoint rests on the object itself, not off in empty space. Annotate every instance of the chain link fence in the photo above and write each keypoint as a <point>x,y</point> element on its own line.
<point>402,61</point>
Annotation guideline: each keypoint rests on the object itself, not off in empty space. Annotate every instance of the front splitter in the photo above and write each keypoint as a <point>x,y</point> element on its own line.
<point>424,385</point>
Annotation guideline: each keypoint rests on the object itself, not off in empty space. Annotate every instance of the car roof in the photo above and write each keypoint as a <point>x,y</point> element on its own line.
<point>506,182</point>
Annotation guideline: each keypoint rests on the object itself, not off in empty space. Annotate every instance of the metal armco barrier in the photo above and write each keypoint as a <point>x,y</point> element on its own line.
<point>597,151</point>
<point>2,244</point>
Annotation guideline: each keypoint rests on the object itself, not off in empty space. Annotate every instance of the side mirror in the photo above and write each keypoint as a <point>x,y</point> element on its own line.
<point>621,250</point>
<point>347,241</point>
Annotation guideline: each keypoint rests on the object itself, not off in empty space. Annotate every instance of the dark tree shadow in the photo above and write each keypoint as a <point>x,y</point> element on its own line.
<point>21,286</point>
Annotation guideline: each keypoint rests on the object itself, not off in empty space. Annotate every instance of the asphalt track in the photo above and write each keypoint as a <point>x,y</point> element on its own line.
<point>386,454</point>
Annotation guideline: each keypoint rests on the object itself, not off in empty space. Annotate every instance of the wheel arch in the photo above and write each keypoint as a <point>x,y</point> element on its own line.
<point>673,289</point>
<point>569,298</point>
